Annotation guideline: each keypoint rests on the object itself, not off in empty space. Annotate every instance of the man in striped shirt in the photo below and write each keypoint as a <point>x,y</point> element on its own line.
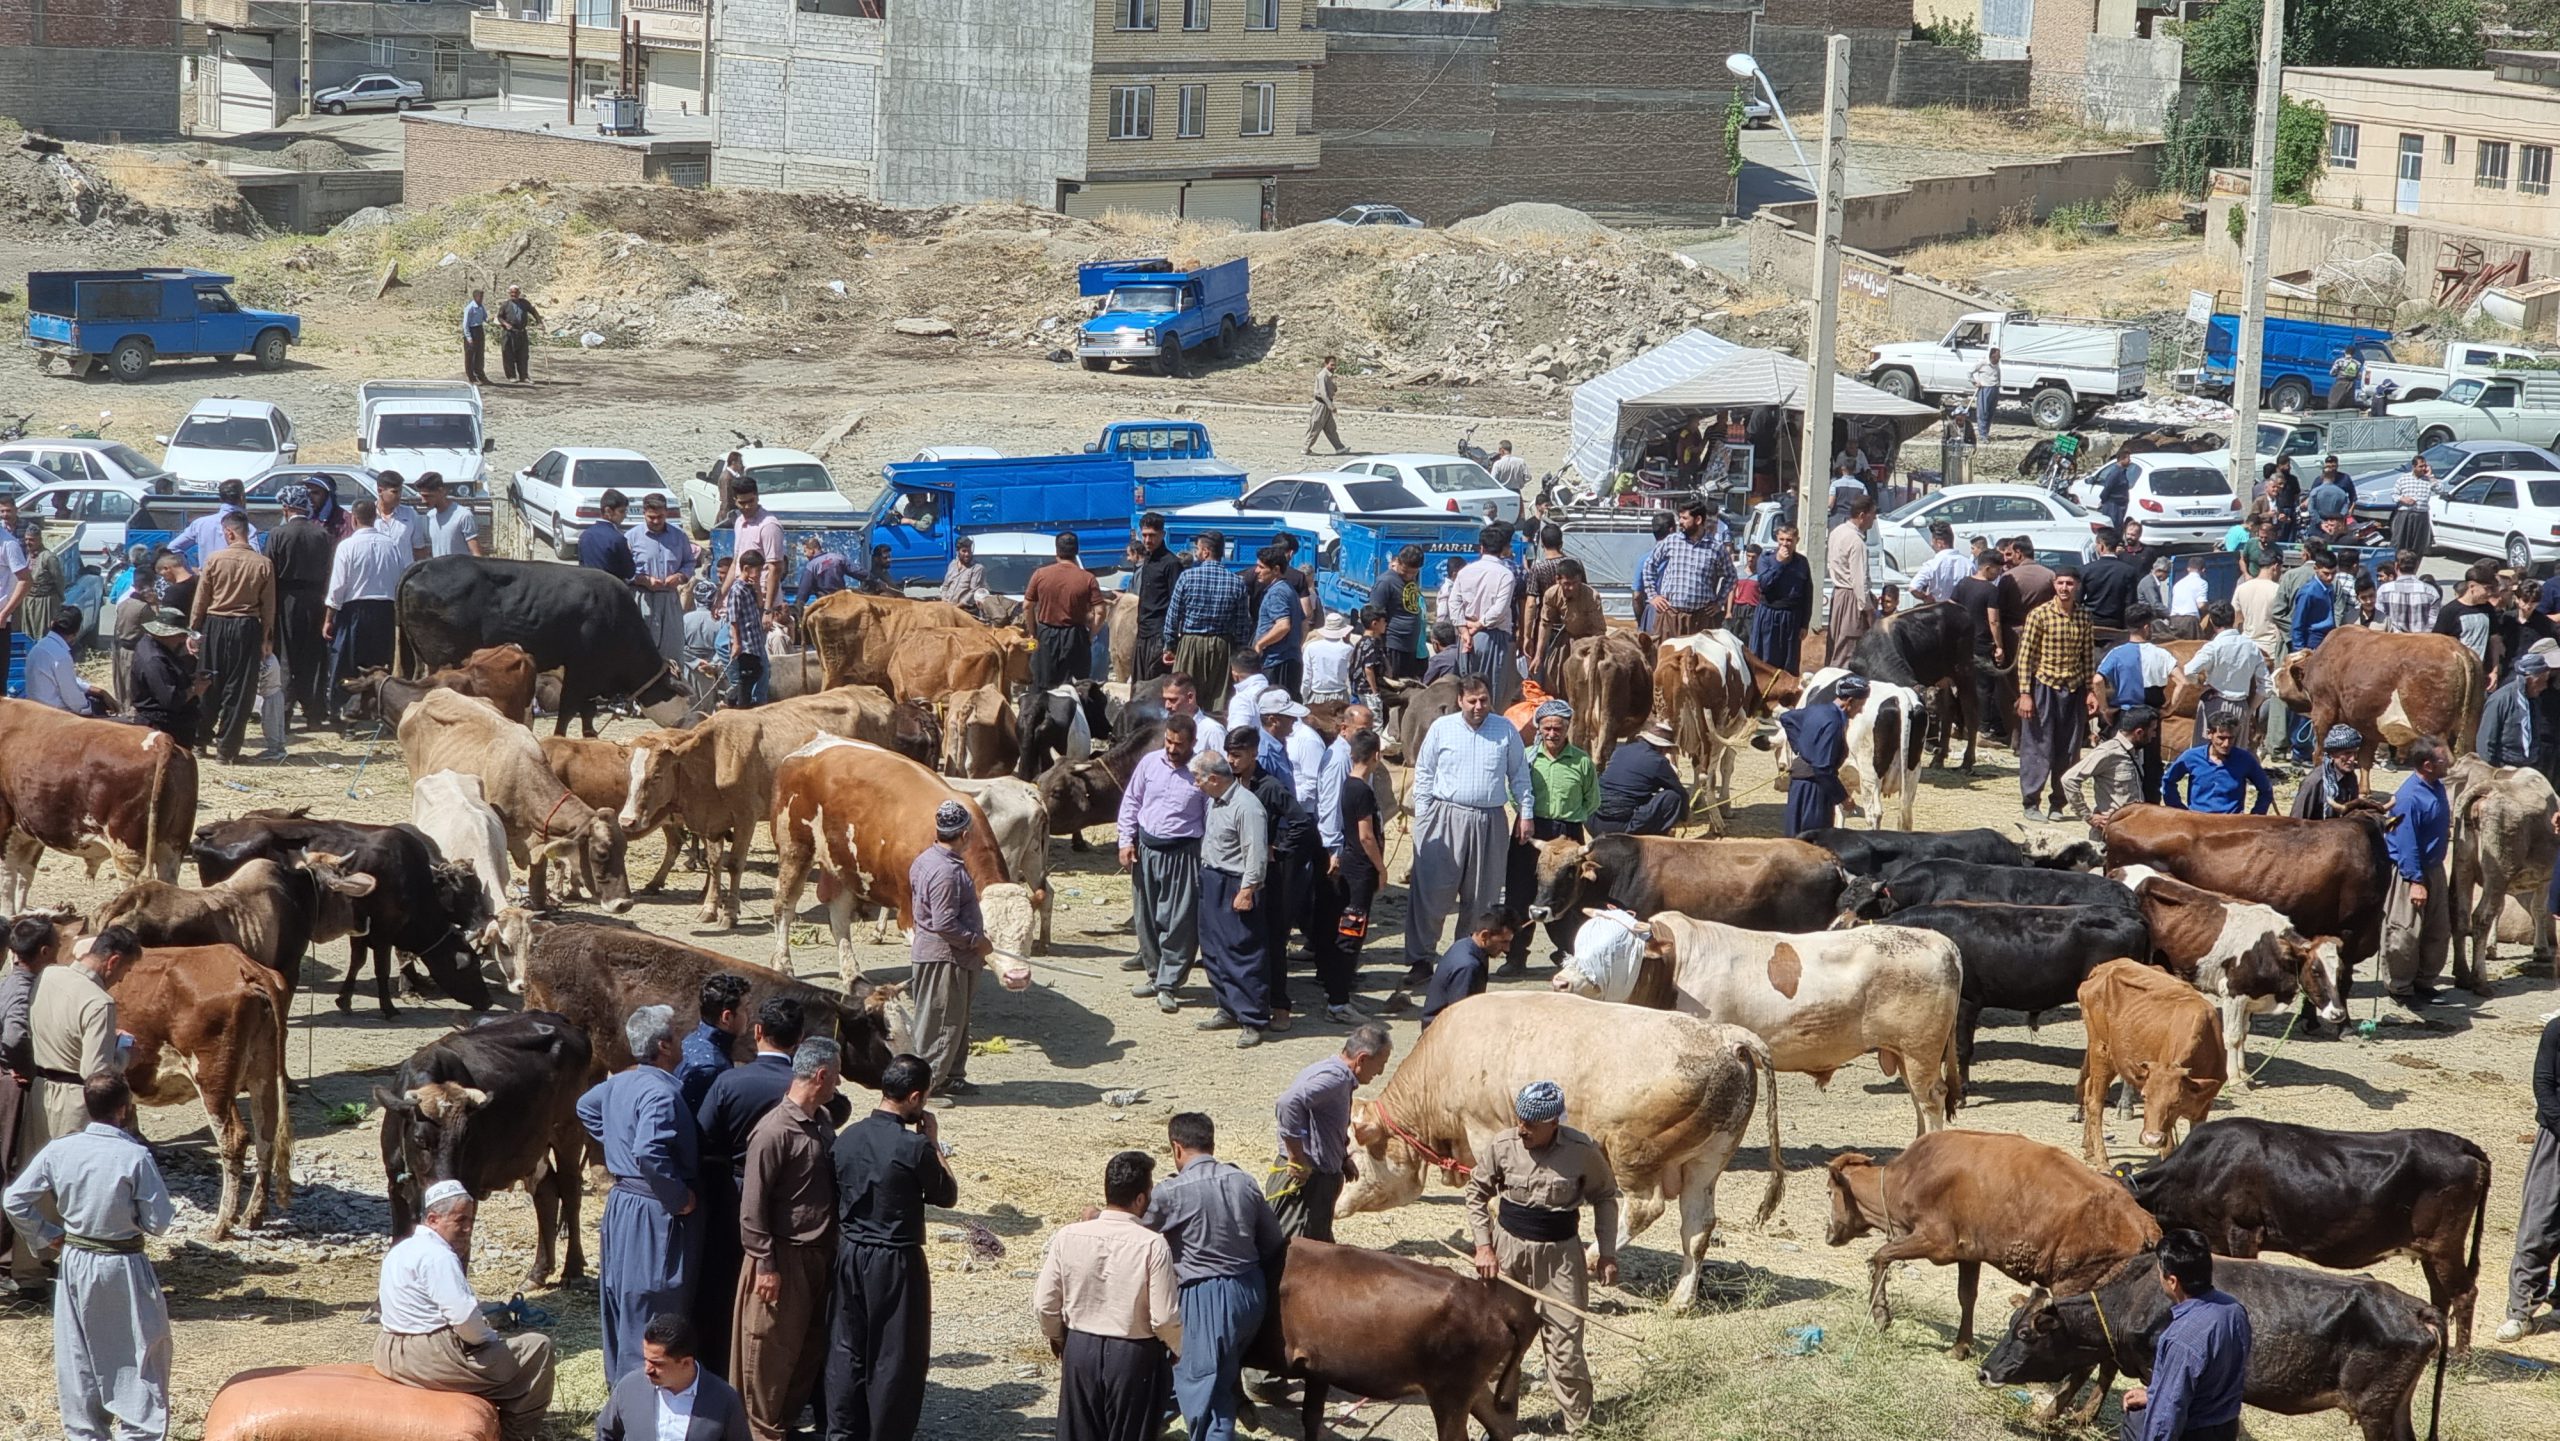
<point>2056,650</point>
<point>1206,620</point>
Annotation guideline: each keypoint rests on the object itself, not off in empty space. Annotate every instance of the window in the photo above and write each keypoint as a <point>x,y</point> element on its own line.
<point>1195,14</point>
<point>2535,176</point>
<point>1133,110</point>
<point>1262,14</point>
<point>384,51</point>
<point>1137,14</point>
<point>2490,172</point>
<point>1195,112</point>
<point>2448,150</point>
<point>1257,109</point>
<point>2342,145</point>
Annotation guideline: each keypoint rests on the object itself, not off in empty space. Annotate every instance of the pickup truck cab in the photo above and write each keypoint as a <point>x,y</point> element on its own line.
<point>226,438</point>
<point>1149,311</point>
<point>2516,405</point>
<point>792,484</point>
<point>126,319</point>
<point>2062,369</point>
<point>560,494</point>
<point>2461,358</point>
<point>415,426</point>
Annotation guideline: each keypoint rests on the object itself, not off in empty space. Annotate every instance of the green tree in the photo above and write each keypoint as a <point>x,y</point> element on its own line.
<point>2222,48</point>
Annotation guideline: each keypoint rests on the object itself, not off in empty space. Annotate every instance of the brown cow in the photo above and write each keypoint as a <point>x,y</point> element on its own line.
<point>1711,691</point>
<point>716,780</point>
<point>855,634</point>
<point>861,815</point>
<point>931,664</point>
<point>207,1024</point>
<point>273,913</point>
<point>2152,1031</point>
<point>502,675</point>
<point>1382,1326</point>
<point>2243,955</point>
<point>2391,687</point>
<point>2327,877</point>
<point>598,975</point>
<point>979,738</point>
<point>97,789</point>
<point>1765,885</point>
<point>2503,845</point>
<point>1962,1198</point>
<point>1608,678</point>
<point>546,821</point>
<point>598,772</point>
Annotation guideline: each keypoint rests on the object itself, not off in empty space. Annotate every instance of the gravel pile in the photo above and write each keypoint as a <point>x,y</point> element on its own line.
<point>317,154</point>
<point>1530,220</point>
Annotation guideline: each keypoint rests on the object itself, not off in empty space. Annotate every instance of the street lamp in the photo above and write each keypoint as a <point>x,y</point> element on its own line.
<point>1744,67</point>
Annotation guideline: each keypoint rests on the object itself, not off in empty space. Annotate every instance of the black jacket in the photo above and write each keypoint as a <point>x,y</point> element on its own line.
<point>163,681</point>
<point>300,551</point>
<point>2546,1078</point>
<point>2107,586</point>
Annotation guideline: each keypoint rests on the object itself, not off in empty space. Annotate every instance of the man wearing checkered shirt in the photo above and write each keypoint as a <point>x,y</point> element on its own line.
<point>2056,650</point>
<point>1688,574</point>
<point>1206,621</point>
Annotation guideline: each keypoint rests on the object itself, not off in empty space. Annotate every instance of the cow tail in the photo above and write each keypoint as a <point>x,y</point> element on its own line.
<point>151,808</point>
<point>2444,1344</point>
<point>1776,1190</point>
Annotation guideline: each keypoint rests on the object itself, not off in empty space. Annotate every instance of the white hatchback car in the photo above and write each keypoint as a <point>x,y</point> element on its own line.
<point>2176,497</point>
<point>1451,483</point>
<point>92,460</point>
<point>2511,516</point>
<point>2051,521</point>
<point>226,438</point>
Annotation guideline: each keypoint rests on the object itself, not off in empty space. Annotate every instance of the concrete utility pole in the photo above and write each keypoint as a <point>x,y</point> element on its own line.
<point>305,107</point>
<point>1813,458</point>
<point>2249,364</point>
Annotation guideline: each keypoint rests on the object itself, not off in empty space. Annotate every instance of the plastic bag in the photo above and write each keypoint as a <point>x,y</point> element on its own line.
<point>342,1403</point>
<point>1609,950</point>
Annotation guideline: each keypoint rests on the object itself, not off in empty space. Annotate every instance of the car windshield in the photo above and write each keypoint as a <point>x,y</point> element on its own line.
<point>1145,299</point>
<point>1369,495</point>
<point>130,461</point>
<point>2189,480</point>
<point>634,477</point>
<point>1354,215</point>
<point>1011,574</point>
<point>1456,477</point>
<point>2445,459</point>
<point>2464,392</point>
<point>2545,493</point>
<point>426,432</point>
<point>225,432</point>
<point>792,478</point>
<point>2271,438</point>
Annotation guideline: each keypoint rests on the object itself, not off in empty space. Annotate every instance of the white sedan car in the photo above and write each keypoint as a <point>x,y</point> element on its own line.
<point>793,485</point>
<point>2176,497</point>
<point>1451,483</point>
<point>2510,516</point>
<point>76,458</point>
<point>1314,501</point>
<point>561,494</point>
<point>371,92</point>
<point>226,438</point>
<point>1993,512</point>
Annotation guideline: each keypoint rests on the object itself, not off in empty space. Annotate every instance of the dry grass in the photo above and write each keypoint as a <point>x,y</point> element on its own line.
<point>1987,132</point>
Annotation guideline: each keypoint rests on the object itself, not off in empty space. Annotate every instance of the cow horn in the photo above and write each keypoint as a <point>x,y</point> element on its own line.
<point>409,1097</point>
<point>474,1097</point>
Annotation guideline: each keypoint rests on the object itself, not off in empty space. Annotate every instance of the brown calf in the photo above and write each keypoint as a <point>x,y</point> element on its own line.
<point>97,789</point>
<point>207,1024</point>
<point>1382,1326</point>
<point>2152,1031</point>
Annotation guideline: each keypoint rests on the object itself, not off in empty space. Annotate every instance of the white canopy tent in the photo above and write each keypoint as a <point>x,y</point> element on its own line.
<point>1694,373</point>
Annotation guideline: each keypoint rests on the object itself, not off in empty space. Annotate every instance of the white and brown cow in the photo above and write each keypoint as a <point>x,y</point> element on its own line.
<point>2246,957</point>
<point>546,821</point>
<point>1882,746</point>
<point>1819,1000</point>
<point>1712,692</point>
<point>1667,1097</point>
<point>1020,820</point>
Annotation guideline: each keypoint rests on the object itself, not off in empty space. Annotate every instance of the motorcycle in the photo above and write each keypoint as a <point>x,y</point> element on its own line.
<point>1468,449</point>
<point>15,429</point>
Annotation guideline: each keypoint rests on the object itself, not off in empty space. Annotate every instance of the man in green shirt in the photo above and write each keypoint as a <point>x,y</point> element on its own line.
<point>1566,788</point>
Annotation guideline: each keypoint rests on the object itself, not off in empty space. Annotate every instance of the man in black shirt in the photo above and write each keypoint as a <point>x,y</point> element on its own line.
<point>300,550</point>
<point>1398,596</point>
<point>738,1098</point>
<point>888,1169</point>
<point>1157,569</point>
<point>2107,585</point>
<point>168,694</point>
<point>2476,619</point>
<point>1979,594</point>
<point>1640,794</point>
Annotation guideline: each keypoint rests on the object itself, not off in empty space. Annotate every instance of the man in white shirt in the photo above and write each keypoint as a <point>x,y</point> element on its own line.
<point>1328,661</point>
<point>1947,565</point>
<point>2187,596</point>
<point>432,1335</point>
<point>2253,605</point>
<point>1986,394</point>
<point>671,1396</point>
<point>396,520</point>
<point>1244,693</point>
<point>448,527</point>
<point>52,677</point>
<point>2231,667</point>
<point>1469,766</point>
<point>16,577</point>
<point>364,576</point>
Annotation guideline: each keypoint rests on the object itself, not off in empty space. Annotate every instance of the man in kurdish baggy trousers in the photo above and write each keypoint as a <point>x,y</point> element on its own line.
<point>649,1236</point>
<point>889,1167</point>
<point>433,1336</point>
<point>1545,1173</point>
<point>1225,1238</point>
<point>787,1228</point>
<point>1162,817</point>
<point>1467,766</point>
<point>2416,915</point>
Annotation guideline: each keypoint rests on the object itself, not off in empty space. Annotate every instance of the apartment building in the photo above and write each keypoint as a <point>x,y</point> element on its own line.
<point>2464,149</point>
<point>1199,108</point>
<point>245,73</point>
<point>532,43</point>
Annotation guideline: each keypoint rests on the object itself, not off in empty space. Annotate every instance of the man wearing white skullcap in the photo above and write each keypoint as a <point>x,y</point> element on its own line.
<point>1545,1172</point>
<point>432,1334</point>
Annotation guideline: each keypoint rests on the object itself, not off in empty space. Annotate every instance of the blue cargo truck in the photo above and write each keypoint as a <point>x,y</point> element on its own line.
<point>1357,556</point>
<point>1154,313</point>
<point>2303,339</point>
<point>126,319</point>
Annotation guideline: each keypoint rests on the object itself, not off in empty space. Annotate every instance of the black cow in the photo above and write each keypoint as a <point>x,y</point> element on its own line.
<point>420,906</point>
<point>1929,649</point>
<point>1078,794</point>
<point>1872,853</point>
<point>2341,1199</point>
<point>1920,883</point>
<point>2322,1342</point>
<point>1045,721</point>
<point>579,622</point>
<point>2026,958</point>
<point>493,1106</point>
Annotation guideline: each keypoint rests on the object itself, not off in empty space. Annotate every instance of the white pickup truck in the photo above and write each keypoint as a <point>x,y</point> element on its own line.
<point>2061,369</point>
<point>415,426</point>
<point>2503,405</point>
<point>2462,359</point>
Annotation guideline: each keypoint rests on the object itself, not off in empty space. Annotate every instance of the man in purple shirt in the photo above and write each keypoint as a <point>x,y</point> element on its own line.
<point>1314,1117</point>
<point>950,949</point>
<point>1162,817</point>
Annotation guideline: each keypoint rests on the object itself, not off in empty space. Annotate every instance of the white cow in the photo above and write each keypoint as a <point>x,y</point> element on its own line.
<point>1020,820</point>
<point>1667,1097</point>
<point>1883,745</point>
<point>454,812</point>
<point>1820,1000</point>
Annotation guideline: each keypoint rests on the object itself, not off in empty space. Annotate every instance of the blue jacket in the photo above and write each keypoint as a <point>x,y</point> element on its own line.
<point>2199,1369</point>
<point>2426,820</point>
<point>2506,734</point>
<point>2217,789</point>
<point>602,546</point>
<point>2314,615</point>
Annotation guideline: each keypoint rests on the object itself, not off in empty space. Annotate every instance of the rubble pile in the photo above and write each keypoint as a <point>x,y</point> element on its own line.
<point>47,187</point>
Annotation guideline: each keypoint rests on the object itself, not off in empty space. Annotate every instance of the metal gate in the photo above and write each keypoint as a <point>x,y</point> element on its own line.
<point>2004,28</point>
<point>245,83</point>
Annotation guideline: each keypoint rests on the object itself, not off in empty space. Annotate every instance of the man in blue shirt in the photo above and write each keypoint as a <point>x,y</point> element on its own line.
<point>2416,919</point>
<point>707,1051</point>
<point>602,546</point>
<point>2315,606</point>
<point>1817,742</point>
<point>2218,775</point>
<point>1463,971</point>
<point>2200,1364</point>
<point>1280,625</point>
<point>203,536</point>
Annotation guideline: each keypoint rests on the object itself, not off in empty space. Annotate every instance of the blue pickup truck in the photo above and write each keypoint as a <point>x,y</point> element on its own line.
<point>126,319</point>
<point>1358,554</point>
<point>1153,312</point>
<point>2303,339</point>
<point>925,506</point>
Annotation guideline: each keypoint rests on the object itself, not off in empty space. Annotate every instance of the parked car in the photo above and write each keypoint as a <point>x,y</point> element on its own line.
<point>2051,521</point>
<point>371,92</point>
<point>2453,464</point>
<point>76,459</point>
<point>2061,370</point>
<point>1762,530</point>
<point>1315,500</point>
<point>2178,498</point>
<point>1449,482</point>
<point>1376,215</point>
<point>2521,407</point>
<point>226,438</point>
<point>17,477</point>
<point>1010,556</point>
<point>2510,517</point>
<point>792,484</point>
<point>557,496</point>
<point>100,508</point>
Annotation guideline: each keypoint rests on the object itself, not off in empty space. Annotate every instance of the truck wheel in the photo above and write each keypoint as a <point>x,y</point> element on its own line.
<point>1169,356</point>
<point>2051,408</point>
<point>2292,393</point>
<point>270,350</point>
<point>1900,384</point>
<point>1095,362</point>
<point>2433,436</point>
<point>1226,337</point>
<point>2519,555</point>
<point>130,358</point>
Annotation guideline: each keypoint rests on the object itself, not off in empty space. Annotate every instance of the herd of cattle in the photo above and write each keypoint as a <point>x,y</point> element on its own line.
<point>1721,962</point>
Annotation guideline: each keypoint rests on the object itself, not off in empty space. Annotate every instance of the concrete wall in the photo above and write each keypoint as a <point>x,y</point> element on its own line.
<point>2453,114</point>
<point>1873,289</point>
<point>1926,74</point>
<point>1793,54</point>
<point>449,159</point>
<point>799,97</point>
<point>1404,109</point>
<point>312,201</point>
<point>2132,83</point>
<point>1951,207</point>
<point>2305,236</point>
<point>984,101</point>
<point>86,69</point>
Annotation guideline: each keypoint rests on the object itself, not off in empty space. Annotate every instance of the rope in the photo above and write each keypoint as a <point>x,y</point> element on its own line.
<point>1449,1165</point>
<point>555,810</point>
<point>2294,1020</point>
<point>2100,1306</point>
<point>1278,1170</point>
<point>370,744</point>
<point>1541,1297</point>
